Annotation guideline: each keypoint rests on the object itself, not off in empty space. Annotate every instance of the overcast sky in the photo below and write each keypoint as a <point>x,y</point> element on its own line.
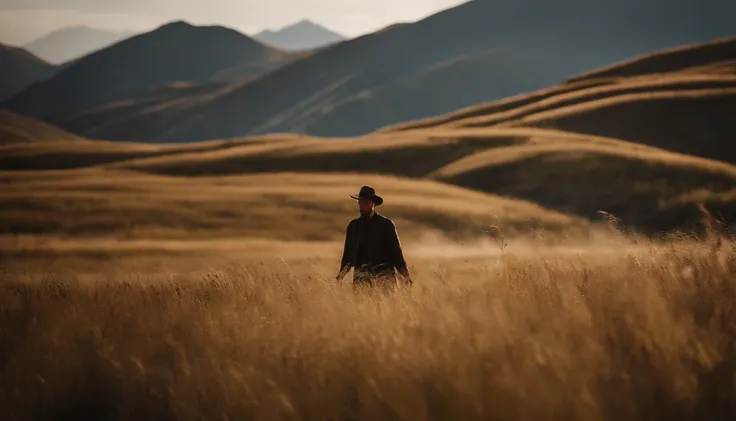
<point>23,20</point>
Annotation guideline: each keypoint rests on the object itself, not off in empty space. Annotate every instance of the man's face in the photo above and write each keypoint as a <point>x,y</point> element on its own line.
<point>365,206</point>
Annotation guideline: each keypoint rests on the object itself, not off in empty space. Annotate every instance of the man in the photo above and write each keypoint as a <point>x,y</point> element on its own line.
<point>372,246</point>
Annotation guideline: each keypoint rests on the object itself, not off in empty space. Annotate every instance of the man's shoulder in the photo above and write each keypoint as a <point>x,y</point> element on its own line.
<point>378,217</point>
<point>386,220</point>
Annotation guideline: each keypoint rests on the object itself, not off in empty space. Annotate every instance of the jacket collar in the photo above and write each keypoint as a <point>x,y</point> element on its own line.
<point>369,217</point>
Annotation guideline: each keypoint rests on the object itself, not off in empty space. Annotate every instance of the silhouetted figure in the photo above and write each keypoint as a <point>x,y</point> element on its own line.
<point>372,246</point>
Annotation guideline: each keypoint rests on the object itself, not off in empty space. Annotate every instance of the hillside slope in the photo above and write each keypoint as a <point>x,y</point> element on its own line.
<point>716,56</point>
<point>16,129</point>
<point>573,174</point>
<point>693,121</point>
<point>650,189</point>
<point>560,40</point>
<point>19,69</point>
<point>73,42</point>
<point>176,52</point>
<point>121,204</point>
<point>489,74</point>
<point>681,100</point>
<point>479,75</point>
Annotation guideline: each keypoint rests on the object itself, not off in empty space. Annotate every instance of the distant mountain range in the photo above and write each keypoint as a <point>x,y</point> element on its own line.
<point>303,35</point>
<point>72,43</point>
<point>175,53</point>
<point>479,51</point>
<point>19,69</point>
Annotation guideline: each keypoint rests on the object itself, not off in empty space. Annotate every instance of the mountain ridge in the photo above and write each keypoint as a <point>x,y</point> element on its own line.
<point>73,42</point>
<point>300,36</point>
<point>140,63</point>
<point>19,69</point>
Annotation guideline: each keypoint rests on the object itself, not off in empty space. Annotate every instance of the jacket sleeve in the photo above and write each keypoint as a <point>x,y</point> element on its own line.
<point>397,255</point>
<point>345,261</point>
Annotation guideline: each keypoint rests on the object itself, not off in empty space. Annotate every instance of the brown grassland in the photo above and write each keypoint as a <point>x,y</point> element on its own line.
<point>637,331</point>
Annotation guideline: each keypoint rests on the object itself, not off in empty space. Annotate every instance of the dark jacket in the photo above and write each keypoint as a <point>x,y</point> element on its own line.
<point>372,245</point>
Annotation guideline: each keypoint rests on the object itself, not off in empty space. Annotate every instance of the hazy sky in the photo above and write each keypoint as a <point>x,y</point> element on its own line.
<point>23,20</point>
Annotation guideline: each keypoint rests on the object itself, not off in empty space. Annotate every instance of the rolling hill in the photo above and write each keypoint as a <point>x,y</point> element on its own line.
<point>135,65</point>
<point>19,69</point>
<point>16,129</point>
<point>74,42</point>
<point>35,146</point>
<point>680,100</point>
<point>717,56</point>
<point>574,174</point>
<point>577,175</point>
<point>539,44</point>
<point>303,35</point>
<point>129,205</point>
<point>408,98</point>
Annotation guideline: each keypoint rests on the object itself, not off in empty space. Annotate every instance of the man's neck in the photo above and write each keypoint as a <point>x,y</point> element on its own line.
<point>370,215</point>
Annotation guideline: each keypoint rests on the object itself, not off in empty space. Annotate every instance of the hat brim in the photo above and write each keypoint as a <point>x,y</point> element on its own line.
<point>378,200</point>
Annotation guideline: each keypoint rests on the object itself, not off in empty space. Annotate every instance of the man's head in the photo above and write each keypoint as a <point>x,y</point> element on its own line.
<point>367,200</point>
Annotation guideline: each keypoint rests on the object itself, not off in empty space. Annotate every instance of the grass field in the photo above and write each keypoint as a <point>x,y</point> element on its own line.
<point>642,331</point>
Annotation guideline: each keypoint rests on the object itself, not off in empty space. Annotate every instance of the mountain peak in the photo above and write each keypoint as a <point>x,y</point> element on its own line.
<point>305,23</point>
<point>302,35</point>
<point>73,28</point>
<point>177,24</point>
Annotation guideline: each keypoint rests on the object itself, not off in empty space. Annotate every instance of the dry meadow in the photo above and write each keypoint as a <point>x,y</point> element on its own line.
<point>621,330</point>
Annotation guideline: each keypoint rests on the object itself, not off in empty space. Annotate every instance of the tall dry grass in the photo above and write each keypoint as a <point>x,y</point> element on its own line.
<point>646,334</point>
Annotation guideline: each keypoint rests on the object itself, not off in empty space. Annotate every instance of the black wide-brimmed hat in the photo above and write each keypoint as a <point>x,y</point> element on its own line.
<point>367,192</point>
